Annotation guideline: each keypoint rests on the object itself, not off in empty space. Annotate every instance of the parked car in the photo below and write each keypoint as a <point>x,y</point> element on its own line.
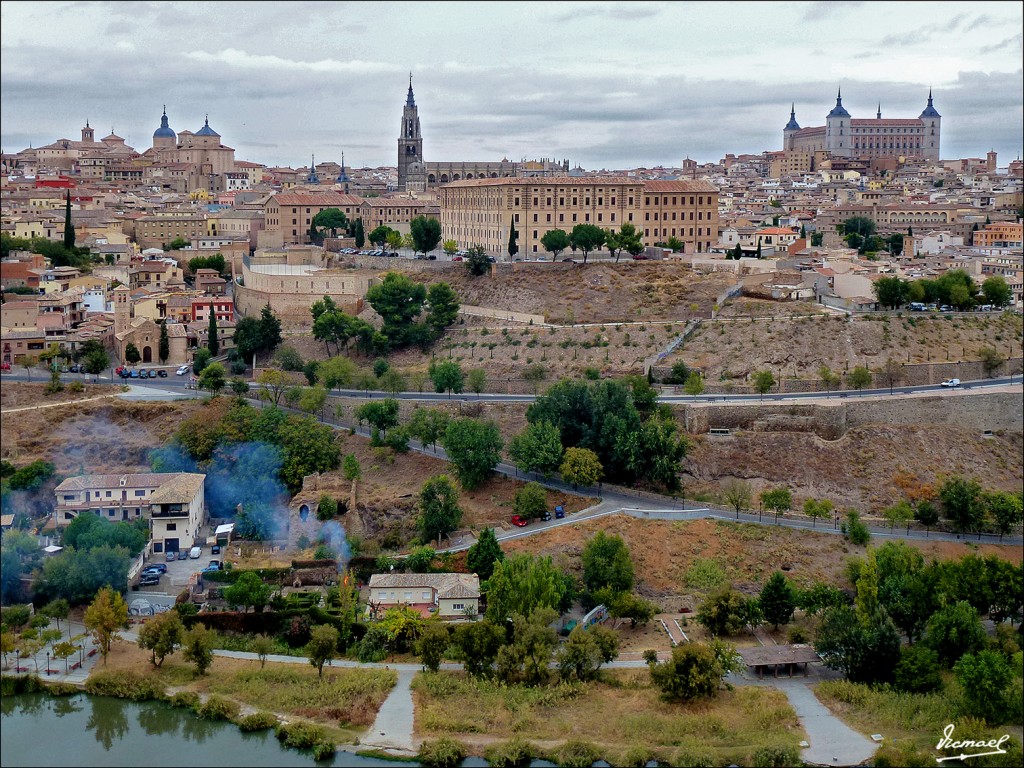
<point>133,374</point>
<point>456,258</point>
<point>215,565</point>
<point>182,370</point>
<point>215,549</point>
<point>640,257</point>
<point>149,580</point>
<point>951,383</point>
<point>546,516</point>
<point>158,567</point>
<point>171,556</point>
<point>195,553</point>
<point>519,521</point>
<point>432,257</point>
<point>559,512</point>
<point>76,368</point>
<point>162,373</point>
<point>569,260</point>
<point>393,254</point>
<point>183,554</point>
<point>945,308</point>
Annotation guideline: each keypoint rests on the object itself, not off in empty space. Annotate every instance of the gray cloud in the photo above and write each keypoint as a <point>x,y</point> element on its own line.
<point>827,9</point>
<point>1010,42</point>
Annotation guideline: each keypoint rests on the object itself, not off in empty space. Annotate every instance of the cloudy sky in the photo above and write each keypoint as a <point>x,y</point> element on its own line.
<point>604,85</point>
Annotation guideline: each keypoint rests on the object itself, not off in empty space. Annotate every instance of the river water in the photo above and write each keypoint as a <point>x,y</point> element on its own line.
<point>81,730</point>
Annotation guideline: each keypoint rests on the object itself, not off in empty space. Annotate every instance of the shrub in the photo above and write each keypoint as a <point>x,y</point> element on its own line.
<point>693,759</point>
<point>323,750</point>
<point>62,689</point>
<point>776,757</point>
<point>797,636</point>
<point>258,721</point>
<point>636,756</point>
<point>12,685</point>
<point>218,708</point>
<point>442,753</point>
<point>124,685</point>
<point>857,532</point>
<point>300,735</point>
<point>76,386</point>
<point>185,700</point>
<point>514,753</point>
<point>578,754</point>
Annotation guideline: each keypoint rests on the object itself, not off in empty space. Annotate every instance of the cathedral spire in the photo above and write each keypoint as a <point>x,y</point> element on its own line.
<point>879,115</point>
<point>409,100</point>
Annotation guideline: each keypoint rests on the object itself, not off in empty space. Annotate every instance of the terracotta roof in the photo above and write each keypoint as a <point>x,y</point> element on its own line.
<point>775,231</point>
<point>141,480</point>
<point>683,185</point>
<point>446,584</point>
<point>320,198</point>
<point>180,487</point>
<point>540,181</point>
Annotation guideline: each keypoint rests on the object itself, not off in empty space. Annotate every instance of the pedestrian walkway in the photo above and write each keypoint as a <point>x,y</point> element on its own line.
<point>832,742</point>
<point>75,669</point>
<point>393,728</point>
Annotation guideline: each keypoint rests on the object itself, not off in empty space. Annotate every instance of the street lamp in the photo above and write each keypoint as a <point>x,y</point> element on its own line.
<point>47,662</point>
<point>81,654</point>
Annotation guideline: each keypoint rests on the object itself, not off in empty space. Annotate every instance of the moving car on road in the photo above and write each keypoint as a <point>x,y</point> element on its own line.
<point>519,521</point>
<point>951,383</point>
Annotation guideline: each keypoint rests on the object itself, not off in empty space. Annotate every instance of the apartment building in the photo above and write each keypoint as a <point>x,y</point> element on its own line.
<point>291,213</point>
<point>159,230</point>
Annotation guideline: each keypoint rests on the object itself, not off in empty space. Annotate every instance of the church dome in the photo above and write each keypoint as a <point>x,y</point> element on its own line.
<point>206,130</point>
<point>164,131</point>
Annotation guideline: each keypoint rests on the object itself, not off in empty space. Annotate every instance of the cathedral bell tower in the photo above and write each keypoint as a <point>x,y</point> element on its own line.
<point>412,176</point>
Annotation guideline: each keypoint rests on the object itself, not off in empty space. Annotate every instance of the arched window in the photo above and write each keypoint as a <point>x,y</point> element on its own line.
<point>304,512</point>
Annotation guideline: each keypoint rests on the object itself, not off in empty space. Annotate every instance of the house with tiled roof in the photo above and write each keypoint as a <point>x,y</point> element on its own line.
<point>450,596</point>
<point>172,502</point>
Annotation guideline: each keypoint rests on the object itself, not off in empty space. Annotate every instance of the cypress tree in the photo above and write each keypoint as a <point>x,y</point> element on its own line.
<point>513,246</point>
<point>165,343</point>
<point>803,231</point>
<point>758,254</point>
<point>360,235</point>
<point>69,228</point>
<point>213,343</point>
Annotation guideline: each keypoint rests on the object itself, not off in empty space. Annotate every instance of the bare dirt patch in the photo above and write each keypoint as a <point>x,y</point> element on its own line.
<point>23,394</point>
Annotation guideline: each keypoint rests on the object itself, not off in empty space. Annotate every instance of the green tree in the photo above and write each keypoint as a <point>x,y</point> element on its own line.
<point>693,672</point>
<point>246,337</point>
<point>818,509</point>
<point>724,612</point>
<point>580,466</point>
<point>482,556</point>
<point>962,503</point>
<point>555,241</point>
<point>398,300</point>
<point>107,614</point>
<point>1005,509</point>
<point>57,610</point>
<point>426,233</point>
<point>476,644</point>
<point>586,649</point>
<point>513,237</point>
<point>953,631</point>
<point>628,605</point>
<point>737,494</point>
<point>330,218</point>
<point>528,656</point>
<point>96,361</point>
<point>630,240</point>
<point>447,377</point>
<point>694,384</point>
<point>428,425</point>
<point>248,591</point>
<point>197,648</point>
<point>473,448</point>
<point>262,645</point>
<point>763,382</point>
<point>161,635</point>
<point>336,372</point>
<point>380,414</point>
<point>432,644</point>
<point>864,653</point>
<point>996,291</point>
<point>477,261</point>
<point>607,564</point>
<point>918,670</point>
<point>538,448</point>
<point>985,679</point>
<point>678,374</point>
<point>612,244</point>
<point>269,329</point>
<point>213,341</point>
<point>779,500</point>
<point>216,262</point>
<point>531,501</point>
<point>535,374</point>
<point>379,235</point>
<point>213,378</point>
<point>857,531</point>
<point>891,292</point>
<point>200,359</point>
<point>778,600</point>
<point>476,380</point>
<point>442,308</point>
<point>816,239</point>
<point>859,377</point>
<point>164,346</point>
<point>860,226</point>
<point>586,237</point>
<point>69,228</point>
<point>396,240</point>
<point>326,508</point>
<point>322,646</point>
<point>900,512</point>
<point>439,509</point>
<point>449,247</point>
<point>132,354</point>
<point>521,583</point>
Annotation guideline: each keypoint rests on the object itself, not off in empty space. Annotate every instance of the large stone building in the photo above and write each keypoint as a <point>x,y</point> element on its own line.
<point>481,211</point>
<point>847,136</point>
<point>417,175</point>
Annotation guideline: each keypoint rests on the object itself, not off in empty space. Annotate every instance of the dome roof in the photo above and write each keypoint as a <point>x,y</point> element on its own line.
<point>839,110</point>
<point>164,130</point>
<point>206,130</point>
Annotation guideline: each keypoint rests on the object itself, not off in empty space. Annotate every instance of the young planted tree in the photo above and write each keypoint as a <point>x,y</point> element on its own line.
<point>212,339</point>
<point>779,500</point>
<point>555,241</point>
<point>197,648</point>
<point>473,448</point>
<point>890,374</point>
<point>778,600</point>
<point>107,614</point>
<point>164,346</point>
<point>737,494</point>
<point>482,556</point>
<point>161,635</point>
<point>763,382</point>
<point>132,354</point>
<point>531,501</point>
<point>581,466</point>
<point>322,647</point>
<point>447,376</point>
<point>818,509</point>
<point>859,377</point>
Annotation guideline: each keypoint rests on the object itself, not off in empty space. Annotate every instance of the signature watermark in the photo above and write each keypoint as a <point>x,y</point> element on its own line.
<point>994,746</point>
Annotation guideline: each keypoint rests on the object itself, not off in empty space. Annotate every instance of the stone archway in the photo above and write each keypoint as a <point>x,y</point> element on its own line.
<point>147,354</point>
<point>431,178</point>
<point>455,177</point>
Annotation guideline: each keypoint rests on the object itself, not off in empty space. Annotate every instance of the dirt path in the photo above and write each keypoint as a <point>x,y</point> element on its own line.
<point>58,405</point>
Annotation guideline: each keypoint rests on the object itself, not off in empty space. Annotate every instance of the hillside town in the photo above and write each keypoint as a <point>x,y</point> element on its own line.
<point>515,459</point>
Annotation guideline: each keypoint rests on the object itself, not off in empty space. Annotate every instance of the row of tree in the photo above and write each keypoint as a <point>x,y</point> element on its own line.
<point>955,288</point>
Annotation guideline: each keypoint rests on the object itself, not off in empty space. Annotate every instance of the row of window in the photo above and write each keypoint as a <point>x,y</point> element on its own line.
<point>72,497</point>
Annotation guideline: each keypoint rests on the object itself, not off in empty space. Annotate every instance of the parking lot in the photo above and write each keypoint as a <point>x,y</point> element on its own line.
<point>178,573</point>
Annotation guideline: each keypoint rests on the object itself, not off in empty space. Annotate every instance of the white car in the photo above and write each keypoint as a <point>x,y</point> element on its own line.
<point>183,370</point>
<point>951,383</point>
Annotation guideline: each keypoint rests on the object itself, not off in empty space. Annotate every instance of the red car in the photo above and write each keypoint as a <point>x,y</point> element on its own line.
<point>519,522</point>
